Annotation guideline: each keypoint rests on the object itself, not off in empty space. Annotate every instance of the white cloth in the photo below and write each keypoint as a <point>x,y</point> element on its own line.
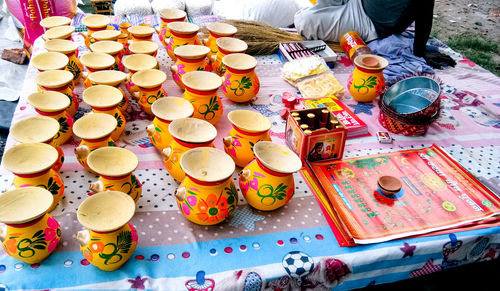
<point>330,19</point>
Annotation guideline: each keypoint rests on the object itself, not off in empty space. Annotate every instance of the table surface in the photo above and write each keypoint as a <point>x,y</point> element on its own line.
<point>246,251</point>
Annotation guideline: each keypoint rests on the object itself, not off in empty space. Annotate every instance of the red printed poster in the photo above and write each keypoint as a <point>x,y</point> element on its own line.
<point>437,194</point>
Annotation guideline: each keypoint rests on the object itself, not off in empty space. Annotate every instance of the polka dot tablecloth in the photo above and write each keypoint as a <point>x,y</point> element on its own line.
<point>254,250</point>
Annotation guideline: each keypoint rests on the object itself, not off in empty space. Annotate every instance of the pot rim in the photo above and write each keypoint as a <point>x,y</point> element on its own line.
<point>50,61</point>
<point>183,27</point>
<point>202,81</point>
<point>249,121</point>
<point>107,77</point>
<point>141,30</point>
<point>172,108</point>
<point>59,32</point>
<point>106,34</point>
<point>192,52</point>
<point>95,20</point>
<point>192,130</point>
<point>172,14</point>
<point>382,62</point>
<point>106,211</point>
<point>36,128</point>
<point>94,126</point>
<point>112,161</point>
<point>240,61</point>
<point>150,78</point>
<point>24,205</point>
<point>106,46</point>
<point>102,96</point>
<point>231,44</point>
<point>207,164</point>
<point>29,158</point>
<point>222,29</point>
<point>49,101</point>
<point>53,78</point>
<point>97,61</point>
<point>143,47</point>
<point>139,62</point>
<point>60,45</point>
<point>276,157</point>
<point>53,21</point>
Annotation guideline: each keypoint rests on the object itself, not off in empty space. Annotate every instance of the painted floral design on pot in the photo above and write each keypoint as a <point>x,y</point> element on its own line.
<point>187,133</point>
<point>207,195</point>
<point>70,49</point>
<point>53,104</point>
<point>59,81</point>
<point>109,239</point>
<point>267,183</point>
<point>217,30</point>
<point>30,233</point>
<point>241,83</point>
<point>166,110</point>
<point>115,166</point>
<point>149,83</point>
<point>249,127</point>
<point>181,33</point>
<point>367,81</point>
<point>32,163</point>
<point>135,63</point>
<point>189,58</point>
<point>226,46</point>
<point>95,130</point>
<point>105,99</point>
<point>39,129</point>
<point>201,91</point>
<point>168,15</point>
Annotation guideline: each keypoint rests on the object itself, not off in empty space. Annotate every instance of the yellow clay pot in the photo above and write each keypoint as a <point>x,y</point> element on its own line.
<point>32,163</point>
<point>168,15</point>
<point>149,83</point>
<point>165,111</point>
<point>135,63</point>
<point>367,82</point>
<point>226,46</point>
<point>30,233</point>
<point>187,133</point>
<point>249,127</point>
<point>181,33</point>
<point>144,47</point>
<point>95,130</point>
<point>68,48</point>
<point>59,32</point>
<point>189,58</point>
<point>94,22</point>
<point>115,166</point>
<point>109,239</point>
<point>267,182</point>
<point>59,81</point>
<point>201,91</point>
<point>124,26</point>
<point>207,195</point>
<point>111,78</point>
<point>241,83</point>
<point>218,30</point>
<point>105,99</point>
<point>141,33</point>
<point>54,104</point>
<point>95,62</point>
<point>112,48</point>
<point>53,21</point>
<point>39,129</point>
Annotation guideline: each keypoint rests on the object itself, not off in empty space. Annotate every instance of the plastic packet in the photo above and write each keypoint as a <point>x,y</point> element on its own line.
<point>319,86</point>
<point>294,71</point>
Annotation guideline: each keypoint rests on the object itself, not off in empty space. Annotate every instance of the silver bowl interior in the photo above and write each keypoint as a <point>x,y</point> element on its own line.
<point>412,95</point>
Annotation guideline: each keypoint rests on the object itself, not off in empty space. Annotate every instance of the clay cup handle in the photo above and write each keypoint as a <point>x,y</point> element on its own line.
<point>213,58</point>
<point>173,69</point>
<point>3,232</point>
<point>166,152</point>
<point>97,186</point>
<point>150,129</point>
<point>228,140</point>
<point>180,193</point>
<point>204,41</point>
<point>83,237</point>
<point>245,175</point>
<point>81,152</point>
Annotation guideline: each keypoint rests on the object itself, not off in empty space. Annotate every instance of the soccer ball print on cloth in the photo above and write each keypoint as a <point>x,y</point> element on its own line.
<point>297,264</point>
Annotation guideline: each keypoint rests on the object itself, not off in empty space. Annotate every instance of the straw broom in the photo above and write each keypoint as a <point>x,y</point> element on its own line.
<point>262,39</point>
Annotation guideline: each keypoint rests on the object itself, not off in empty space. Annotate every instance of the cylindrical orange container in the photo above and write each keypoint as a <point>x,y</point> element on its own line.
<point>353,45</point>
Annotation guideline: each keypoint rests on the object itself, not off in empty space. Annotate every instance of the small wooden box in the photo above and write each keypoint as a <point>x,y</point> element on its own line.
<point>321,144</point>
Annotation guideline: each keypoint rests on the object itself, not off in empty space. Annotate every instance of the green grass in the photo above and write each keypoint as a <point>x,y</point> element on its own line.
<point>477,49</point>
